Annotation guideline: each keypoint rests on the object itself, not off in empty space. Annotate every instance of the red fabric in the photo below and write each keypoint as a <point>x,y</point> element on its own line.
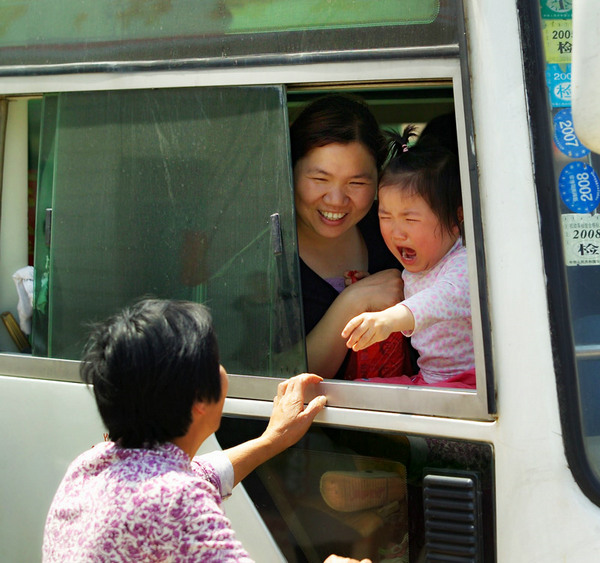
<point>465,380</point>
<point>382,360</point>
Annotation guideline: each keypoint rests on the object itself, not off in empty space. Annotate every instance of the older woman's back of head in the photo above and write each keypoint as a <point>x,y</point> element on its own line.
<point>148,365</point>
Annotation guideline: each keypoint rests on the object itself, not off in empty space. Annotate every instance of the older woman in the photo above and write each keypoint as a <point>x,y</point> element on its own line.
<point>337,153</point>
<point>160,390</point>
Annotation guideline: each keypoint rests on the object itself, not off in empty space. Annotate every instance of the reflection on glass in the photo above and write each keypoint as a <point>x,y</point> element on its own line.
<point>169,193</point>
<point>578,190</point>
<point>131,19</point>
<point>577,171</point>
<point>354,493</point>
<point>340,503</point>
<point>36,33</point>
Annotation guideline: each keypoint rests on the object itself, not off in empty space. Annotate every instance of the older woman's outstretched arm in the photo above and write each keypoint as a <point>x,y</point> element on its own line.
<point>290,419</point>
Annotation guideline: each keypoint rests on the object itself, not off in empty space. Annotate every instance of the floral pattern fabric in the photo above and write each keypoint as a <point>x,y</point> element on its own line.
<point>120,505</point>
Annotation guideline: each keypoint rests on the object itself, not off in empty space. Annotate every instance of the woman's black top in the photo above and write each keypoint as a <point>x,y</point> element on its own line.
<point>318,295</point>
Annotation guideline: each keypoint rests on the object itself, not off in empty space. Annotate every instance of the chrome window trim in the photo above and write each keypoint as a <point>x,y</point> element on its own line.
<point>205,63</point>
<point>371,70</point>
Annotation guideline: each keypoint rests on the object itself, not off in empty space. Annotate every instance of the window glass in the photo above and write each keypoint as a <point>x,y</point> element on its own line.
<point>576,169</point>
<point>169,193</point>
<point>360,494</point>
<point>38,33</point>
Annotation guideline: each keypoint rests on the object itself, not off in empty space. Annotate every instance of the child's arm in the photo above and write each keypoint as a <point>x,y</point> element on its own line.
<point>369,328</point>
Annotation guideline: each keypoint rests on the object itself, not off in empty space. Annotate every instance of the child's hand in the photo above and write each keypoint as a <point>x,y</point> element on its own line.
<point>369,328</point>
<point>352,276</point>
<point>366,329</point>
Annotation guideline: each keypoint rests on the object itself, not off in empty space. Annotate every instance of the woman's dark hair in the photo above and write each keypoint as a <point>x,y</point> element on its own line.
<point>337,119</point>
<point>430,171</point>
<point>148,365</point>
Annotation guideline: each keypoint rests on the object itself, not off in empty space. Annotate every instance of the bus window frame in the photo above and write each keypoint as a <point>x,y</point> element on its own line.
<point>456,403</point>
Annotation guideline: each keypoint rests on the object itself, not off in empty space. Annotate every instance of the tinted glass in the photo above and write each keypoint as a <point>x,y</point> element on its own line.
<point>357,493</point>
<point>169,193</point>
<point>83,31</point>
<point>577,171</point>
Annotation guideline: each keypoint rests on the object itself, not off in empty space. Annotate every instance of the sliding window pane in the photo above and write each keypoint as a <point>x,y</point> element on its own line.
<point>170,193</point>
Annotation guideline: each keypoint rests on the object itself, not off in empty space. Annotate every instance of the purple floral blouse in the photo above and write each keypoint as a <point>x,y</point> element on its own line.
<point>117,504</point>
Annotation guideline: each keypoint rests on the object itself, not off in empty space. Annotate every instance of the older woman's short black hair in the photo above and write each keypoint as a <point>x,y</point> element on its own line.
<point>148,365</point>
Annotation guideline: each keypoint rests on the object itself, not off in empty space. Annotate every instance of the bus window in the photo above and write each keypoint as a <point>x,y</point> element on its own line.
<point>88,32</point>
<point>586,72</point>
<point>144,193</point>
<point>366,495</point>
<point>574,169</point>
<point>187,193</point>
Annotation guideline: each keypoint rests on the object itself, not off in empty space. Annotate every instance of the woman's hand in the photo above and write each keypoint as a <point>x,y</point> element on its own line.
<point>375,292</point>
<point>325,347</point>
<point>289,421</point>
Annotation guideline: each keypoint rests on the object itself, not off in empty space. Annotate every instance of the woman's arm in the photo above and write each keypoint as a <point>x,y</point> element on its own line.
<point>289,421</point>
<point>326,349</point>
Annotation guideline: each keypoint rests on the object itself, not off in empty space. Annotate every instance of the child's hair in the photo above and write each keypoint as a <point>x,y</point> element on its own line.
<point>429,171</point>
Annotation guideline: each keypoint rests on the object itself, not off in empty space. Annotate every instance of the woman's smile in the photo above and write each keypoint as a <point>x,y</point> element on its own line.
<point>334,189</point>
<point>332,216</point>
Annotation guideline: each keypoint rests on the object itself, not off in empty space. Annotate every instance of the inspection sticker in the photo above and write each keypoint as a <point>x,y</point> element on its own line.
<point>558,79</point>
<point>579,187</point>
<point>581,235</point>
<point>564,135</point>
<point>558,40</point>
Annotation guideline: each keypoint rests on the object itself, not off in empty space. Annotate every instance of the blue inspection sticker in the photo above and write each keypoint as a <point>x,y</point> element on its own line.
<point>564,135</point>
<point>558,79</point>
<point>579,187</point>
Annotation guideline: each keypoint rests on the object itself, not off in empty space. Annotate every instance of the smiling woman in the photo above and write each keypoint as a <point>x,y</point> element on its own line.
<point>337,153</point>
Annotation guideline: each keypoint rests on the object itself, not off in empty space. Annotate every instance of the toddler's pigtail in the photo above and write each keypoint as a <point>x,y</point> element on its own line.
<point>398,142</point>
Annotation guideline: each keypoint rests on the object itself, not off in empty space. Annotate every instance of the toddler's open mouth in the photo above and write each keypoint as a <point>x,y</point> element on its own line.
<point>407,255</point>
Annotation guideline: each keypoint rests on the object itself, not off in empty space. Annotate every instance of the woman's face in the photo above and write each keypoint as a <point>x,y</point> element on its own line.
<point>215,410</point>
<point>334,189</point>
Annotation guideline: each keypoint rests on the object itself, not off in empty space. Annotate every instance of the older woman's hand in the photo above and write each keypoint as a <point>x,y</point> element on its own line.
<point>375,292</point>
<point>290,419</point>
<point>288,423</point>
